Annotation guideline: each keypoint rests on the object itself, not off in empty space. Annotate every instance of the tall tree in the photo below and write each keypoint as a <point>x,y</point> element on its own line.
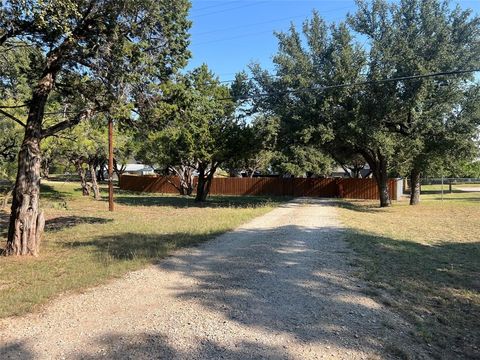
<point>316,119</point>
<point>99,52</point>
<point>415,38</point>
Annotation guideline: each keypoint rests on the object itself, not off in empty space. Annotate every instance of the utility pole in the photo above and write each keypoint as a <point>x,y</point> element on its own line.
<point>110,164</point>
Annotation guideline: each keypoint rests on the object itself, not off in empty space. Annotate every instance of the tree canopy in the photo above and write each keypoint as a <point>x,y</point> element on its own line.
<point>197,133</point>
<point>334,95</point>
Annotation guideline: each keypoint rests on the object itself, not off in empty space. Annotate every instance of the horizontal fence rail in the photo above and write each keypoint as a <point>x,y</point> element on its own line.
<point>313,187</point>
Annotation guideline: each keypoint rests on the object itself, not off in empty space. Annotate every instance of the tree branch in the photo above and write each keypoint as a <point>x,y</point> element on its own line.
<point>11,117</point>
<point>66,124</point>
<point>12,106</point>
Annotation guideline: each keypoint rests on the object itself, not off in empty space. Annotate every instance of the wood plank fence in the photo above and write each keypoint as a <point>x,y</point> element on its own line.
<point>313,187</point>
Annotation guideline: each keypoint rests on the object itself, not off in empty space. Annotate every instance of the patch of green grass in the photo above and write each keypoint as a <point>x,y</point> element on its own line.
<point>424,261</point>
<point>85,245</point>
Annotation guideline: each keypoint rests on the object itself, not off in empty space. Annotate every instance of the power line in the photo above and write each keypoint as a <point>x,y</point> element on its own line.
<point>223,3</point>
<point>362,83</point>
<point>230,9</point>
<point>250,25</point>
<point>268,22</point>
<point>235,37</point>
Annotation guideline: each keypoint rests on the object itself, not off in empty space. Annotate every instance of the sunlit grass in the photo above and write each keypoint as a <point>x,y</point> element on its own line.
<point>85,245</point>
<point>424,261</point>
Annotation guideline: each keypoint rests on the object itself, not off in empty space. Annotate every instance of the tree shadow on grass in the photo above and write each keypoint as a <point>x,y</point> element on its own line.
<point>48,192</point>
<point>135,246</point>
<point>188,201</point>
<point>430,285</point>
<point>355,205</point>
<point>63,222</point>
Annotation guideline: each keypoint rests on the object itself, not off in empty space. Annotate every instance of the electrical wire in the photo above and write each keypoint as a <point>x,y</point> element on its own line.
<point>267,22</point>
<point>362,83</point>
<point>234,37</point>
<point>222,3</point>
<point>230,9</point>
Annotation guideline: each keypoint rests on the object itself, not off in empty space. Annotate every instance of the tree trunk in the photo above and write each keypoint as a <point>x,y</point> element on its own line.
<point>26,219</point>
<point>6,196</point>
<point>101,172</point>
<point>378,165</point>
<point>45,168</point>
<point>119,170</point>
<point>96,190</point>
<point>83,178</point>
<point>382,184</point>
<point>414,187</point>
<point>186,181</point>
<point>185,178</point>
<point>204,183</point>
<point>201,186</point>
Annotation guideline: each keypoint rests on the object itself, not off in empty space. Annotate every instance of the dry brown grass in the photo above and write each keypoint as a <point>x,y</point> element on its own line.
<point>424,261</point>
<point>86,245</point>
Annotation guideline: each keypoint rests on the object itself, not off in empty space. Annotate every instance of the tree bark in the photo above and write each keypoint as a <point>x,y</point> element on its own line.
<point>186,181</point>
<point>96,190</point>
<point>378,166</point>
<point>201,186</point>
<point>119,170</point>
<point>185,178</point>
<point>414,187</point>
<point>26,219</point>
<point>382,184</point>
<point>45,168</point>
<point>204,182</point>
<point>83,178</point>
<point>101,171</point>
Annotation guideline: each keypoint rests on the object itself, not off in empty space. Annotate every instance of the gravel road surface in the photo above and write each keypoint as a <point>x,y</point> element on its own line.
<point>279,287</point>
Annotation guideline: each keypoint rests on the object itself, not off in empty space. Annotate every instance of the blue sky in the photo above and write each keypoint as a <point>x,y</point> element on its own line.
<point>228,35</point>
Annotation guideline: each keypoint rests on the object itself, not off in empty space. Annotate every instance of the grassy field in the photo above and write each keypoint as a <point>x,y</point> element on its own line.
<point>85,245</point>
<point>424,262</point>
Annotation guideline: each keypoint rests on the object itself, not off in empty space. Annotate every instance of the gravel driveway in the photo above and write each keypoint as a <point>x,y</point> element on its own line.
<point>469,189</point>
<point>279,287</point>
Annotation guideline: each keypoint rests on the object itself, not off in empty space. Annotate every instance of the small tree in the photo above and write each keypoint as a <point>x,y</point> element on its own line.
<point>198,131</point>
<point>172,149</point>
<point>256,144</point>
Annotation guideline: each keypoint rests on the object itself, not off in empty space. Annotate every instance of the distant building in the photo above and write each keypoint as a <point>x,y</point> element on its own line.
<point>138,169</point>
<point>340,172</point>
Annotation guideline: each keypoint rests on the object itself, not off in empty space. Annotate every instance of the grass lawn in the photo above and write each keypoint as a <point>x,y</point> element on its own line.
<point>85,245</point>
<point>424,262</point>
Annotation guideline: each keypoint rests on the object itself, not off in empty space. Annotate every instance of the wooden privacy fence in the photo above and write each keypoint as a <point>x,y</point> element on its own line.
<point>313,187</point>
